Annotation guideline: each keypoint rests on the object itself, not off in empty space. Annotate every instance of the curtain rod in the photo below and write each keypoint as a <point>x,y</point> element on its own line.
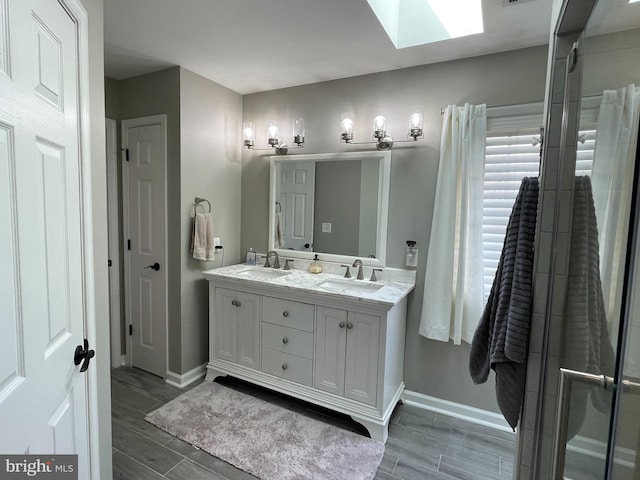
<point>489,107</point>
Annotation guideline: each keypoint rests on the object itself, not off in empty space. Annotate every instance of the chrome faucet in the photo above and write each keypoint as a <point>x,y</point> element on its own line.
<point>276,263</point>
<point>358,263</point>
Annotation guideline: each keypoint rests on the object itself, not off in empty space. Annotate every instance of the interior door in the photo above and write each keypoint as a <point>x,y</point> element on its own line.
<point>145,152</point>
<point>44,403</point>
<point>295,193</point>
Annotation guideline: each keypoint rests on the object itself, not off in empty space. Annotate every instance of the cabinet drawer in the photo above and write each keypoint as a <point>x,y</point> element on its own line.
<point>287,340</point>
<point>287,313</point>
<point>290,367</point>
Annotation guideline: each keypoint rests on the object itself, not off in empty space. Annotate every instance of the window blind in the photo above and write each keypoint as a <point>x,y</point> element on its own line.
<point>508,158</point>
<point>510,155</point>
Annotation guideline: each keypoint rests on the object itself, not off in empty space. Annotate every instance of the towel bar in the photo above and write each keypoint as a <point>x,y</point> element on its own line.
<point>199,200</point>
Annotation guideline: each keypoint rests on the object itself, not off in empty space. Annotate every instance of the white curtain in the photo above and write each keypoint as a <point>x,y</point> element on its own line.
<point>452,302</point>
<point>612,178</point>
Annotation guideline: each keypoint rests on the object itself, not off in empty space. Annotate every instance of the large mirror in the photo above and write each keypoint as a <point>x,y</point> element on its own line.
<point>332,204</point>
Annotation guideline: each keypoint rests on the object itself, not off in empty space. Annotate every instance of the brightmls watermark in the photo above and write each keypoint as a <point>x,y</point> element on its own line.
<point>50,467</point>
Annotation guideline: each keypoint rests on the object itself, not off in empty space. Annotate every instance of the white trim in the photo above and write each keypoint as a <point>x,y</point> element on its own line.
<point>625,457</point>
<point>114,241</point>
<point>123,361</point>
<point>457,410</point>
<point>383,204</point>
<point>186,379</point>
<point>587,446</point>
<point>126,234</point>
<point>95,415</point>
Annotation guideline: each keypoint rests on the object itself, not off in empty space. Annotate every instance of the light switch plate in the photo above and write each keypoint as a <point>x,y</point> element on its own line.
<point>326,228</point>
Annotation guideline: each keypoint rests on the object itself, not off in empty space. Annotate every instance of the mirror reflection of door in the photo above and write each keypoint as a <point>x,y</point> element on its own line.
<point>296,193</point>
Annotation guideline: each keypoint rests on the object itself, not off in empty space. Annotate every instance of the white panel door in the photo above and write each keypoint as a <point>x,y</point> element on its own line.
<point>331,337</point>
<point>144,140</point>
<point>296,191</point>
<point>363,350</point>
<point>44,262</point>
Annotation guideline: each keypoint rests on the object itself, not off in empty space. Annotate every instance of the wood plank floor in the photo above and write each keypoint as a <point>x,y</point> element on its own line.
<point>421,445</point>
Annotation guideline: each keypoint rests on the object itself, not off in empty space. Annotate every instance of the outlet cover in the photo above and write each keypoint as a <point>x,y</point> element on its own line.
<point>217,242</point>
<point>326,228</point>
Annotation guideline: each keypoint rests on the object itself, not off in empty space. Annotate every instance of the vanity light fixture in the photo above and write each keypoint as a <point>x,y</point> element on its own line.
<point>381,138</point>
<point>273,134</point>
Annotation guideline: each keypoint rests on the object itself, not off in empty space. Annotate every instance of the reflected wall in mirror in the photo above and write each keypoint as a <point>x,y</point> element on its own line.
<point>331,204</point>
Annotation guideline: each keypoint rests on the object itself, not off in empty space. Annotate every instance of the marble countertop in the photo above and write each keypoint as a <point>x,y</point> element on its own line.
<point>393,284</point>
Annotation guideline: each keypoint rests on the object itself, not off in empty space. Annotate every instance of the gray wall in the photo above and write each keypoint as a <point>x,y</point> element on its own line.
<point>203,159</point>
<point>210,167</point>
<point>154,94</point>
<point>337,201</point>
<point>432,368</point>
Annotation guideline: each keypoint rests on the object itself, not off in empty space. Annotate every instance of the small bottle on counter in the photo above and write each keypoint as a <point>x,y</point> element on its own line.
<point>251,257</point>
<point>316,266</point>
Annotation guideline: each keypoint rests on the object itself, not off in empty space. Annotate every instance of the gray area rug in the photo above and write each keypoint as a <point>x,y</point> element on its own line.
<point>266,440</point>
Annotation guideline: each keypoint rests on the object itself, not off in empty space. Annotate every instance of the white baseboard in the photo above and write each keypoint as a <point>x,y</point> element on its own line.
<point>181,381</point>
<point>579,444</point>
<point>593,448</point>
<point>457,410</point>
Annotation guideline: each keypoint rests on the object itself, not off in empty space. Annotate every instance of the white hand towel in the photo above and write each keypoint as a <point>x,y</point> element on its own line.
<point>202,240</point>
<point>278,241</point>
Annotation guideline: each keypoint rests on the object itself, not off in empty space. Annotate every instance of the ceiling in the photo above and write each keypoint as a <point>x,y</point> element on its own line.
<point>257,45</point>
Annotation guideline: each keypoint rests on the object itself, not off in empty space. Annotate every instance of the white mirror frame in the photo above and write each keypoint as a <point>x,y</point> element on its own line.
<point>384,158</point>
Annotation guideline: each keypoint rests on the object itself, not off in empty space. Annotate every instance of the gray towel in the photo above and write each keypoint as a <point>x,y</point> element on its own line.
<point>501,338</point>
<point>586,342</point>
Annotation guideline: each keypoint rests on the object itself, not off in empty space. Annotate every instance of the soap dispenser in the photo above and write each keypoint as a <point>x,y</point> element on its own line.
<point>316,266</point>
<point>251,257</point>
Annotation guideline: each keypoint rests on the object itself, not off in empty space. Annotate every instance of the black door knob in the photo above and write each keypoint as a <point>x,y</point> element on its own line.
<point>306,245</point>
<point>83,354</point>
<point>155,266</point>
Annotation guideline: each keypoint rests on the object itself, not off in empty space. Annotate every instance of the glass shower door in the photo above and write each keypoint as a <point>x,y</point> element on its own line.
<point>591,409</point>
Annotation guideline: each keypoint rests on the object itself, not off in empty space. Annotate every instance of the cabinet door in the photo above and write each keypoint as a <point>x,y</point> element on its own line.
<point>248,329</point>
<point>225,335</point>
<point>361,372</point>
<point>331,337</point>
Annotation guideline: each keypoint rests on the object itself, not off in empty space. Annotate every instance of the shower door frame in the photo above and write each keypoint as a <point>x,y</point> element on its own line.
<point>544,395</point>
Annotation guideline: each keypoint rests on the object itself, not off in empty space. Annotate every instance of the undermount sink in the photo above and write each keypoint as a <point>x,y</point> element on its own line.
<point>349,286</point>
<point>262,273</point>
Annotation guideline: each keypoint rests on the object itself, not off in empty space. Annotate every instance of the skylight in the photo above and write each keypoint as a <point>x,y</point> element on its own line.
<point>415,22</point>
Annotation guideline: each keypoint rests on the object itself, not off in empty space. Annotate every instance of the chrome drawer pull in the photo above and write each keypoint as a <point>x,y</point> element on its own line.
<point>285,340</point>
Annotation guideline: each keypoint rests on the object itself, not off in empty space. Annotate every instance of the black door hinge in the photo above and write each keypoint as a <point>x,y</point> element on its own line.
<point>129,244</point>
<point>126,154</point>
<point>130,329</point>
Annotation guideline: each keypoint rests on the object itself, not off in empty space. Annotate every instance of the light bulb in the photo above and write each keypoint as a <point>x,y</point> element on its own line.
<point>248,134</point>
<point>347,125</point>
<point>298,131</point>
<point>272,134</point>
<point>415,123</point>
<point>379,126</point>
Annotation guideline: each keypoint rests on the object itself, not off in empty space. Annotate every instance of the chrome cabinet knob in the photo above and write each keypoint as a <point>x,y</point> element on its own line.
<point>341,324</point>
<point>285,314</point>
<point>349,326</point>
<point>284,366</point>
<point>285,340</point>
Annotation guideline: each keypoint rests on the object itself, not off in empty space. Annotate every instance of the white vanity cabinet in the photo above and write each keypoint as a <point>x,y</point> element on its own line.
<point>236,332</point>
<point>342,352</point>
